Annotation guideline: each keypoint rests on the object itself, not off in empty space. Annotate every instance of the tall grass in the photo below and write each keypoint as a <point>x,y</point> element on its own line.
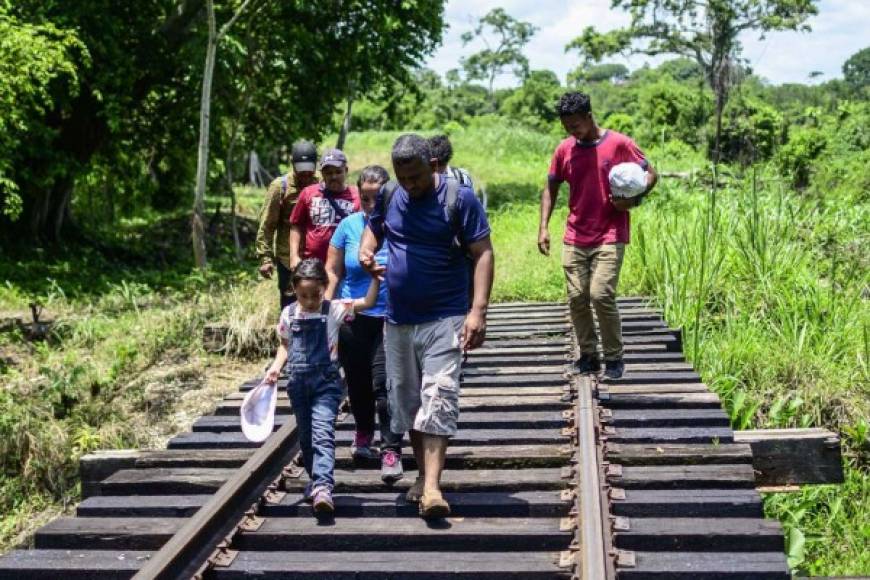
<point>772,321</point>
<point>770,287</point>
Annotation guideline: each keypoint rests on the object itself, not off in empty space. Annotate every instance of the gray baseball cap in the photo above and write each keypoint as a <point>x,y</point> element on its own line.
<point>334,157</point>
<point>304,155</point>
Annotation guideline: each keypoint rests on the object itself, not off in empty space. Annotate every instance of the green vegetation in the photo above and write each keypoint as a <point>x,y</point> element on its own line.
<point>761,259</point>
<point>770,289</point>
<point>122,365</point>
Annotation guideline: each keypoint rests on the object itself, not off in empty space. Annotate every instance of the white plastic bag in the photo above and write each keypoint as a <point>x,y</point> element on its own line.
<point>258,412</point>
<point>627,180</point>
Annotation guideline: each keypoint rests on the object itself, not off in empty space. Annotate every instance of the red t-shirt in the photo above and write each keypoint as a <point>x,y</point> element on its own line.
<point>318,218</point>
<point>593,220</point>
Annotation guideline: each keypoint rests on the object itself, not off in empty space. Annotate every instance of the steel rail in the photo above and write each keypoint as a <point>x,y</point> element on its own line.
<point>188,550</point>
<point>589,500</point>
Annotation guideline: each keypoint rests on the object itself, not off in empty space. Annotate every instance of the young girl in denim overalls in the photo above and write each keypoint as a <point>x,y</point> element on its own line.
<point>308,330</point>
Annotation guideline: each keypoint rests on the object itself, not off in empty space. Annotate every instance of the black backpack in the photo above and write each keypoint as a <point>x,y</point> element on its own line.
<point>451,214</point>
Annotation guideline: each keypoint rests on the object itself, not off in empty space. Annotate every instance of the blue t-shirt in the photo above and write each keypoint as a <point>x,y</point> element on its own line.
<point>427,277</point>
<point>356,281</point>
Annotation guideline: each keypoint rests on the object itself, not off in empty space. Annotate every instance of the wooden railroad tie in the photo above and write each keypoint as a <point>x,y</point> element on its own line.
<point>550,476</point>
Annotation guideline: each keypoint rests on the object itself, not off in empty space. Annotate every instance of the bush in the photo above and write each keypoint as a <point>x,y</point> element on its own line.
<point>751,130</point>
<point>795,159</point>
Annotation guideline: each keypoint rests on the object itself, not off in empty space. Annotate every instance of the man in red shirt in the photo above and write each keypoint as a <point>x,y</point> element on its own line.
<point>597,229</point>
<point>320,209</point>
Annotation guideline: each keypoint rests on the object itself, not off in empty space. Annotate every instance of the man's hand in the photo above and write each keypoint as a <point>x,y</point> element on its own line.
<point>293,263</point>
<point>368,262</point>
<point>622,203</point>
<point>266,270</point>
<point>474,330</point>
<point>544,242</point>
<point>272,376</point>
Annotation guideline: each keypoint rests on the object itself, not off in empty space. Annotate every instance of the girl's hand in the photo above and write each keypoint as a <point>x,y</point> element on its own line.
<point>272,376</point>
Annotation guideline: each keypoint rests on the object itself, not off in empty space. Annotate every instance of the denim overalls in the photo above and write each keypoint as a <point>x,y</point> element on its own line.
<point>315,389</point>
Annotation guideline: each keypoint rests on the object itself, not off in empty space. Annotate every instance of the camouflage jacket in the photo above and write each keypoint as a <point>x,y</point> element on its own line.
<point>273,235</point>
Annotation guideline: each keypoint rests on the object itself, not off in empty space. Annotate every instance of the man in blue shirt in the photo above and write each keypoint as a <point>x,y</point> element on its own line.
<point>429,322</point>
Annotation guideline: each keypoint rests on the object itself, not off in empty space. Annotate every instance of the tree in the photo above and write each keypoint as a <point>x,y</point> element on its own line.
<point>506,51</point>
<point>37,63</point>
<point>534,102</point>
<point>706,31</point>
<point>856,70</point>
<point>605,72</point>
<point>119,132</point>
<point>197,221</point>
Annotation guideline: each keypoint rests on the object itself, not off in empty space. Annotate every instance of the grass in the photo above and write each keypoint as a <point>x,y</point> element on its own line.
<point>769,286</point>
<point>123,365</point>
<point>770,289</point>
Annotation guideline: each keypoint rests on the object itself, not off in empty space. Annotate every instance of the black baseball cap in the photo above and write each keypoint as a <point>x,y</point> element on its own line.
<point>304,155</point>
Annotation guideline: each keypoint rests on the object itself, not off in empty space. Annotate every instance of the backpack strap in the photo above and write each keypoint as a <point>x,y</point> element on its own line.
<point>285,183</point>
<point>324,307</point>
<point>390,188</point>
<point>451,212</point>
<point>339,211</point>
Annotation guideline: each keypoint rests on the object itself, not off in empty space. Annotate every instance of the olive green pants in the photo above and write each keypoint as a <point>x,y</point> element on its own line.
<point>592,275</point>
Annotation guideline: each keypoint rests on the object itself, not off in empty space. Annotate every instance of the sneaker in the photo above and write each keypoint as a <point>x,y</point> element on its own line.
<point>415,492</point>
<point>613,369</point>
<point>433,505</point>
<point>587,364</point>
<point>362,447</point>
<point>323,504</point>
<point>391,467</point>
<point>307,494</point>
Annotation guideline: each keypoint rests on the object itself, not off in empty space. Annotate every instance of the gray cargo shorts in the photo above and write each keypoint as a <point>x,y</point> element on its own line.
<point>423,366</point>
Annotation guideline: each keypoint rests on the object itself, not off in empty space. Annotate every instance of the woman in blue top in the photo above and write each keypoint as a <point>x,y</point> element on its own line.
<point>361,342</point>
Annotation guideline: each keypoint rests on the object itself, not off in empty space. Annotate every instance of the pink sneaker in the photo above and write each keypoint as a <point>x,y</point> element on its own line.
<point>391,467</point>
<point>362,446</point>
<point>323,504</point>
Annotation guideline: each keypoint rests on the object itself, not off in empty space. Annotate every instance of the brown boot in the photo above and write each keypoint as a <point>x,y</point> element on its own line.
<point>415,492</point>
<point>433,505</point>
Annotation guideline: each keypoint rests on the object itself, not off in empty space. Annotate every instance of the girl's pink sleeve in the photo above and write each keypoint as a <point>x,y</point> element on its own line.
<point>341,311</point>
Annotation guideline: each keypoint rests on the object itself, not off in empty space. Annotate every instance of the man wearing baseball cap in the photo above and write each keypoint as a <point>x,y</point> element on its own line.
<point>273,235</point>
<point>320,209</point>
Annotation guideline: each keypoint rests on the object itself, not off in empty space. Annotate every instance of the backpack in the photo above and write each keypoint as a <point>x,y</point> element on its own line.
<point>451,213</point>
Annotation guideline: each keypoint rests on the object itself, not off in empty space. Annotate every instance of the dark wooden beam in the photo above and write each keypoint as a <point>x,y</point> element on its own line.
<point>794,456</point>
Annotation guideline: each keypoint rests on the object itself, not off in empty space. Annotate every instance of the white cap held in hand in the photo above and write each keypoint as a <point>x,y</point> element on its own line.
<point>258,412</point>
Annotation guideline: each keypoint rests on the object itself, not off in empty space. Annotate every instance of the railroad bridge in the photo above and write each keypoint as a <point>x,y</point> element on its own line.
<point>550,476</point>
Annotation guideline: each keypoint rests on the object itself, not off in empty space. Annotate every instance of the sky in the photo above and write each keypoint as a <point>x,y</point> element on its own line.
<point>782,57</point>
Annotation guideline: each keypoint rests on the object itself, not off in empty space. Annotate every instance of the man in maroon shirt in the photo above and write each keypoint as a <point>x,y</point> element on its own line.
<point>597,229</point>
<point>320,209</point>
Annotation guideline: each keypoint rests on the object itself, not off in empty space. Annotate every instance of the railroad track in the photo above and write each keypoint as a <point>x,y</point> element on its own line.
<point>550,476</point>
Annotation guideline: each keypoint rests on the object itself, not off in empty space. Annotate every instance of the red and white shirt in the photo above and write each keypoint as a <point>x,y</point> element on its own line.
<point>315,214</point>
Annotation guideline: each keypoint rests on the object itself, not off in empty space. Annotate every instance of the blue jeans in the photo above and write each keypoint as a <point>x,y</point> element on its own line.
<point>316,393</point>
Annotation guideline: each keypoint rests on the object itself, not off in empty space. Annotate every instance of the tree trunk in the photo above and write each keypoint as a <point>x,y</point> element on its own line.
<point>229,175</point>
<point>197,225</point>
<point>345,126</point>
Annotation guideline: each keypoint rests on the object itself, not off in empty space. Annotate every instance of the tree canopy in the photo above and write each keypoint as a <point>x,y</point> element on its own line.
<point>706,31</point>
<point>506,51</point>
<point>121,133</point>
